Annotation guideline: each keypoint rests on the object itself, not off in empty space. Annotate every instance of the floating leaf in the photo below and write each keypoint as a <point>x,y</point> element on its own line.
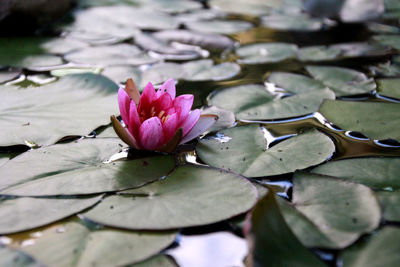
<point>170,6</point>
<point>378,173</point>
<point>21,214</point>
<point>386,69</point>
<point>253,7</point>
<point>294,83</point>
<point>390,202</point>
<point>69,71</point>
<point>9,74</point>
<point>361,10</point>
<point>187,197</point>
<point>121,73</point>
<point>203,70</point>
<point>392,40</point>
<point>342,81</point>
<point>104,247</point>
<point>246,152</point>
<point>318,53</point>
<point>298,22</point>
<point>79,168</point>
<point>119,54</point>
<point>11,257</point>
<point>381,249</point>
<point>265,53</point>
<point>389,87</point>
<point>342,210</point>
<point>219,26</point>
<point>274,244</point>
<point>226,118</point>
<point>72,106</point>
<point>160,260</point>
<point>254,102</point>
<point>376,120</point>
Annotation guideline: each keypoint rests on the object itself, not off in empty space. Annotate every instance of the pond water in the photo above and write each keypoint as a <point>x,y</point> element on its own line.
<point>302,167</point>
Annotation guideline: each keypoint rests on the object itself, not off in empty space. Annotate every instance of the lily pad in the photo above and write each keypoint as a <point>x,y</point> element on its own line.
<point>389,87</point>
<point>266,53</point>
<point>170,6</point>
<point>361,10</point>
<point>381,249</point>
<point>246,152</point>
<point>68,71</point>
<point>81,246</point>
<point>274,244</point>
<point>187,197</point>
<point>72,106</point>
<point>253,7</point>
<point>392,40</point>
<point>121,73</point>
<point>295,83</point>
<point>390,202</point>
<point>378,173</point>
<point>226,118</point>
<point>298,22</point>
<point>11,257</point>
<point>203,70</point>
<point>318,53</point>
<point>160,260</point>
<point>342,210</point>
<point>21,214</point>
<point>254,102</point>
<point>342,81</point>
<point>119,54</point>
<point>219,26</point>
<point>386,69</point>
<point>375,120</point>
<point>79,168</point>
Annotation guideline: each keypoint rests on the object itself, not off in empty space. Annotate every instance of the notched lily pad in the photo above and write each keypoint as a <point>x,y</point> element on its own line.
<point>21,214</point>
<point>260,53</point>
<point>72,106</point>
<point>190,196</point>
<point>79,168</point>
<point>105,247</point>
<point>375,120</point>
<point>246,151</point>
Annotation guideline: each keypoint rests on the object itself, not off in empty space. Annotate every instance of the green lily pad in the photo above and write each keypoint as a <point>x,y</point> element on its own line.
<point>342,81</point>
<point>342,210</point>
<point>9,74</point>
<point>78,70</point>
<point>274,244</point>
<point>254,102</point>
<point>392,40</point>
<point>121,73</point>
<point>298,22</point>
<point>266,53</point>
<point>72,106</point>
<point>170,6</point>
<point>203,70</point>
<point>386,69</point>
<point>219,26</point>
<point>390,205</point>
<point>246,152</point>
<point>254,7</point>
<point>79,168</point>
<point>159,261</point>
<point>375,120</point>
<point>21,214</point>
<point>11,257</point>
<point>226,118</point>
<point>381,249</point>
<point>119,54</point>
<point>295,83</point>
<point>81,246</point>
<point>378,173</point>
<point>187,197</point>
<point>389,87</point>
<point>318,53</point>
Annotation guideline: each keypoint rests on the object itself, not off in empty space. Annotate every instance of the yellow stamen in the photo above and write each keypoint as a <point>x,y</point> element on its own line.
<point>162,112</point>
<point>152,112</point>
<point>165,119</point>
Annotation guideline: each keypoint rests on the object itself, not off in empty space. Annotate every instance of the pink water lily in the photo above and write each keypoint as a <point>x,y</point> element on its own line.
<point>157,120</point>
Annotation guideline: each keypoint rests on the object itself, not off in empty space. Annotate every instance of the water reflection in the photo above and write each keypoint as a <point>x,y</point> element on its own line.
<point>215,249</point>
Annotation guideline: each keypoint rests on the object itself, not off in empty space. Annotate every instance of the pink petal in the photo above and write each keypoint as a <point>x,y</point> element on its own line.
<point>204,122</point>
<point>151,134</point>
<point>184,103</point>
<point>124,102</point>
<point>164,102</point>
<point>134,120</point>
<point>190,121</point>
<point>169,87</point>
<point>170,127</point>
<point>148,95</point>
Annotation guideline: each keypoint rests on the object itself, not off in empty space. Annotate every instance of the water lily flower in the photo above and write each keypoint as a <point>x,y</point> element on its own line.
<point>158,120</point>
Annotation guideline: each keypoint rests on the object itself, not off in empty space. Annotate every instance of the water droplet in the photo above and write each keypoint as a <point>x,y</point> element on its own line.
<point>60,230</point>
<point>28,242</point>
<point>222,138</point>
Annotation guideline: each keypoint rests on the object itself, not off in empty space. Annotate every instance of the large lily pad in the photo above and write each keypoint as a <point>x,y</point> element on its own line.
<point>381,249</point>
<point>190,196</point>
<point>79,168</point>
<point>342,210</point>
<point>389,87</point>
<point>21,214</point>
<point>375,120</point>
<point>81,246</point>
<point>298,22</point>
<point>342,81</point>
<point>295,83</point>
<point>392,40</point>
<point>266,53</point>
<point>246,152</point>
<point>74,105</point>
<point>390,202</point>
<point>120,54</point>
<point>253,7</point>
<point>11,257</point>
<point>219,26</point>
<point>378,173</point>
<point>274,244</point>
<point>160,260</point>
<point>170,6</point>
<point>254,102</point>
